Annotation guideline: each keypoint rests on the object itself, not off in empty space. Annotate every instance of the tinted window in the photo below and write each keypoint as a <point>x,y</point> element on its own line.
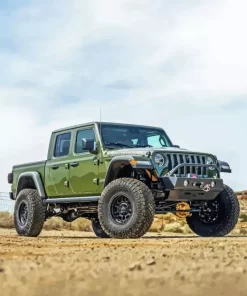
<point>86,134</point>
<point>62,145</point>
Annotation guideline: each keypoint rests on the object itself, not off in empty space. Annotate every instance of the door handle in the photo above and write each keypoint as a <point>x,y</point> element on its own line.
<point>74,164</point>
<point>54,167</point>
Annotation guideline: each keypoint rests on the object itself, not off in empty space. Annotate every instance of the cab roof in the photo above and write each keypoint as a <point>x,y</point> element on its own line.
<point>102,122</point>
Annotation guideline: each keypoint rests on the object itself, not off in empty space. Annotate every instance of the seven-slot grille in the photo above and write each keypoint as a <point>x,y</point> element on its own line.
<point>175,159</point>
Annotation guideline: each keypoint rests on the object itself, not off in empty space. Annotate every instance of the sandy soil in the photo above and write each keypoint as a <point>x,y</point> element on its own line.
<point>74,263</point>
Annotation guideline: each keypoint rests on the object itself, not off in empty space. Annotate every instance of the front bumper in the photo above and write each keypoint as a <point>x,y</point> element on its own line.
<point>187,189</point>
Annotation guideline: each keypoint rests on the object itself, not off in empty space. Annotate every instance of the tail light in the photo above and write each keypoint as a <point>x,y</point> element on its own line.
<point>10,178</point>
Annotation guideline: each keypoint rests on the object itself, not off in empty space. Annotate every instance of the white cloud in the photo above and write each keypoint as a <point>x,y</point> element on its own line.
<point>179,66</point>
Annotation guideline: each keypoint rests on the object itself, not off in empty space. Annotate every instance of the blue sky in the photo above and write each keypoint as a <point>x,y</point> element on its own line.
<point>177,64</point>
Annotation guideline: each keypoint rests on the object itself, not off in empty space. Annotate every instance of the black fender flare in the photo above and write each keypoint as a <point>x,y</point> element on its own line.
<point>35,176</point>
<point>224,167</point>
<point>119,162</point>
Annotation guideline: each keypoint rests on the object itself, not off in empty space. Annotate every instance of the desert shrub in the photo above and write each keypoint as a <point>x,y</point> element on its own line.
<point>243,231</point>
<point>243,217</point>
<point>174,227</point>
<point>82,225</point>
<point>6,220</point>
<point>56,223</point>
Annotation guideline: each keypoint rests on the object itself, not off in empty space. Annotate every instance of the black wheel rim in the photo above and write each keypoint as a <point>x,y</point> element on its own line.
<point>120,209</point>
<point>210,212</point>
<point>23,213</point>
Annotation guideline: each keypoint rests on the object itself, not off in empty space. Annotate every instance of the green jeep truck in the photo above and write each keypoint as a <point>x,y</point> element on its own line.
<point>119,176</point>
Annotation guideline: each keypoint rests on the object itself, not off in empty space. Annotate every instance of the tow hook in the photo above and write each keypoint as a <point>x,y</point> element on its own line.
<point>206,188</point>
<point>201,185</point>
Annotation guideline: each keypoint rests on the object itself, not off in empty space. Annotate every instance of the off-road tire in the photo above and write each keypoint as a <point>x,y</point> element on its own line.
<point>141,214</point>
<point>97,229</point>
<point>229,214</point>
<point>150,209</point>
<point>30,199</point>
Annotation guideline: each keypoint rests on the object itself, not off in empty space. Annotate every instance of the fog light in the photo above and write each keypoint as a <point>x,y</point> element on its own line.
<point>213,184</point>
<point>186,183</point>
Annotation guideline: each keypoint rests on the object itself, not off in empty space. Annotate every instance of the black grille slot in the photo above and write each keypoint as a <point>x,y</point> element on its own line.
<point>175,159</point>
<point>181,160</point>
<point>199,161</point>
<point>187,160</point>
<point>175,163</point>
<point>204,170</point>
<point>170,167</point>
<point>193,161</point>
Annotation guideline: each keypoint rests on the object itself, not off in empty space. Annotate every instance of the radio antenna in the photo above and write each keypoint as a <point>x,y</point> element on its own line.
<point>100,120</point>
<point>101,150</point>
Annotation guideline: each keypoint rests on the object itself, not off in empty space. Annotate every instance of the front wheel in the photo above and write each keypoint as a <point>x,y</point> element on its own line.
<point>126,208</point>
<point>218,217</point>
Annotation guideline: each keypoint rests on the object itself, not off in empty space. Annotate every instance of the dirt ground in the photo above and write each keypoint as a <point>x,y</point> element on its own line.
<point>74,263</point>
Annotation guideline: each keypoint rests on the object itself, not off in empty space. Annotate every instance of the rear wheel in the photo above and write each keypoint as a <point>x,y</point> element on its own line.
<point>126,208</point>
<point>219,216</point>
<point>29,213</point>
<point>97,229</point>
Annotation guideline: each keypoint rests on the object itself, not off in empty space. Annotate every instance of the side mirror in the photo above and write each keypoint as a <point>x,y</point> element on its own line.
<point>88,145</point>
<point>176,146</point>
<point>224,167</point>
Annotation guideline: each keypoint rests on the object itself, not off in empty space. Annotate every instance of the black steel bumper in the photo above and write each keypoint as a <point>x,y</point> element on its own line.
<point>188,188</point>
<point>182,189</point>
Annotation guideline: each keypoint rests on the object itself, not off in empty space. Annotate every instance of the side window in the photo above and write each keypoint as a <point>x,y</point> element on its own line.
<point>86,134</point>
<point>62,145</point>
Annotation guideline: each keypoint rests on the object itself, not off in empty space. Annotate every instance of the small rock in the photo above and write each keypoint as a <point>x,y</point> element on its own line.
<point>135,266</point>
<point>1,269</point>
<point>151,262</point>
<point>241,270</point>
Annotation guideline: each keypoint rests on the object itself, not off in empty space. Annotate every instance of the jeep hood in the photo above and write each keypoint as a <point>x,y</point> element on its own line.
<point>147,151</point>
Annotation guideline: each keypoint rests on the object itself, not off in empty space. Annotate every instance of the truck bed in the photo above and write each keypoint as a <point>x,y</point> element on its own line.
<point>30,164</point>
<point>37,166</point>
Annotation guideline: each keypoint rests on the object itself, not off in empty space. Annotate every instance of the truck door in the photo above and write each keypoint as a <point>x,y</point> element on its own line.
<point>83,165</point>
<point>57,168</point>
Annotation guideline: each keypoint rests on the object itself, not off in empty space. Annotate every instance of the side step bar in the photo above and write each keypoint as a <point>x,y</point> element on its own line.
<point>71,200</point>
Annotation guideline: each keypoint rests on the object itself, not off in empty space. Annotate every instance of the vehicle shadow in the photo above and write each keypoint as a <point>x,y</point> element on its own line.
<point>144,237</point>
<point>193,237</point>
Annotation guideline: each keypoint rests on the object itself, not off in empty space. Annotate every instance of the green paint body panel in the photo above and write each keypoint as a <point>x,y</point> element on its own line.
<point>28,167</point>
<point>88,177</point>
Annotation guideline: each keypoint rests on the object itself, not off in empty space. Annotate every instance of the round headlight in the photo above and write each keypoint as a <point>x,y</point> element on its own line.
<point>209,160</point>
<point>159,160</point>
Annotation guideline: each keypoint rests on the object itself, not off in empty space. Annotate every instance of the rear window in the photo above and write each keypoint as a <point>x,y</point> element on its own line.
<point>62,145</point>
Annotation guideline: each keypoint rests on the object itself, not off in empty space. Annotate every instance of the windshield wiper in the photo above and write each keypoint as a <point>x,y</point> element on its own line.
<point>117,144</point>
<point>138,145</point>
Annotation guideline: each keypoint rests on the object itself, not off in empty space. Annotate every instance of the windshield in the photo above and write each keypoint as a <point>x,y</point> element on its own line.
<point>127,136</point>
